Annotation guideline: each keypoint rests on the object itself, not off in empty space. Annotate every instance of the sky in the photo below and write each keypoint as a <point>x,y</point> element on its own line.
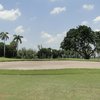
<point>46,22</point>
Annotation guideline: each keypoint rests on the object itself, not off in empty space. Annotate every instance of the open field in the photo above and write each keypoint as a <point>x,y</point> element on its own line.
<point>25,81</point>
<point>67,84</point>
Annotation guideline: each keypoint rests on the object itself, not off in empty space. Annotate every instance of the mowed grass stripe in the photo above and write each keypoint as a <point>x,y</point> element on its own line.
<point>2,59</point>
<point>50,72</point>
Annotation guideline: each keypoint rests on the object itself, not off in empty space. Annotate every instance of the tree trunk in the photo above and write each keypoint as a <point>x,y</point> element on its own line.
<point>17,48</point>
<point>87,56</point>
<point>4,47</point>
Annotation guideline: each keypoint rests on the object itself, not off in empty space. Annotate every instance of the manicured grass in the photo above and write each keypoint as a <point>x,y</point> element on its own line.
<point>66,84</point>
<point>2,59</point>
<point>50,72</point>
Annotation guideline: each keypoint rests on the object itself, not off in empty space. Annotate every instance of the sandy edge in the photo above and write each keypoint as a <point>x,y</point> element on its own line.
<point>37,65</point>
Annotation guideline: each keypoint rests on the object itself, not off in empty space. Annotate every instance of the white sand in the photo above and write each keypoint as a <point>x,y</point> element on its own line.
<point>35,65</point>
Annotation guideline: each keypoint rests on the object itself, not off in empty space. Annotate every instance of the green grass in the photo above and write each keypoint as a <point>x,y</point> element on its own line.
<point>2,59</point>
<point>50,72</point>
<point>66,84</point>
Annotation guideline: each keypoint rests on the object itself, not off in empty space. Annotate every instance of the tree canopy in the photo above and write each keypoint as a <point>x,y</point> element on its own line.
<point>17,39</point>
<point>82,40</point>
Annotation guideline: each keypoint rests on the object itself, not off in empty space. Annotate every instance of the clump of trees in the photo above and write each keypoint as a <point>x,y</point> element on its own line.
<point>50,53</point>
<point>83,41</point>
<point>79,42</point>
<point>11,49</point>
<point>44,53</point>
<point>27,54</point>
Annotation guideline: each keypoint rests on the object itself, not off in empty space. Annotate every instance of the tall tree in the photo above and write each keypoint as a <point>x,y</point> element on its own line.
<point>1,49</point>
<point>18,39</point>
<point>13,46</point>
<point>4,36</point>
<point>82,40</point>
<point>97,34</point>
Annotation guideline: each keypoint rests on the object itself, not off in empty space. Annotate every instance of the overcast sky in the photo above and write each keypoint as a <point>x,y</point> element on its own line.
<point>47,21</point>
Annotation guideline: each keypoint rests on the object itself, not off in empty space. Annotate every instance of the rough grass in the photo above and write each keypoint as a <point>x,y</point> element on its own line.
<point>66,84</point>
<point>3,59</point>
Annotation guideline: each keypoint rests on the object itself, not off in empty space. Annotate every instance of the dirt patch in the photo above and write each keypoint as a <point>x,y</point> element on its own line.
<point>48,65</point>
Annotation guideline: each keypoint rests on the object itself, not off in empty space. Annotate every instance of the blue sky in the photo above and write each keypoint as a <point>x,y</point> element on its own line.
<point>46,21</point>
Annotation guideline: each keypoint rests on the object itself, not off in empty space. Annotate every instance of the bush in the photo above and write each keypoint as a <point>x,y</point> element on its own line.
<point>27,53</point>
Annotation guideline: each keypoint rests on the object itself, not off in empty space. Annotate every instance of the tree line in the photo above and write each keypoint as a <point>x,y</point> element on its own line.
<point>79,42</point>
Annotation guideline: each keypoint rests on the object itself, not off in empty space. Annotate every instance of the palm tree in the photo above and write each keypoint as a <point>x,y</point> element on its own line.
<point>4,36</point>
<point>17,39</point>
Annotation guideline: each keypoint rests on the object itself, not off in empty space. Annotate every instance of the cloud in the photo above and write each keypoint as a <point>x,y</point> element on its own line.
<point>54,0</point>
<point>24,40</point>
<point>84,23</point>
<point>10,15</point>
<point>1,7</point>
<point>10,36</point>
<point>53,39</point>
<point>97,30</point>
<point>97,19</point>
<point>19,29</point>
<point>58,10</point>
<point>49,38</point>
<point>88,7</point>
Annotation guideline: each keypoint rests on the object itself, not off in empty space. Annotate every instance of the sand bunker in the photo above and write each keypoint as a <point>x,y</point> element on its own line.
<point>36,65</point>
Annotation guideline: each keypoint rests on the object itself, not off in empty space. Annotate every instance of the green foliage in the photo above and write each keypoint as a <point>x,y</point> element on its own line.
<point>44,53</point>
<point>10,50</point>
<point>55,53</point>
<point>70,54</point>
<point>17,39</point>
<point>97,34</point>
<point>82,40</point>
<point>4,36</point>
<point>1,49</point>
<point>49,53</point>
<point>27,53</point>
